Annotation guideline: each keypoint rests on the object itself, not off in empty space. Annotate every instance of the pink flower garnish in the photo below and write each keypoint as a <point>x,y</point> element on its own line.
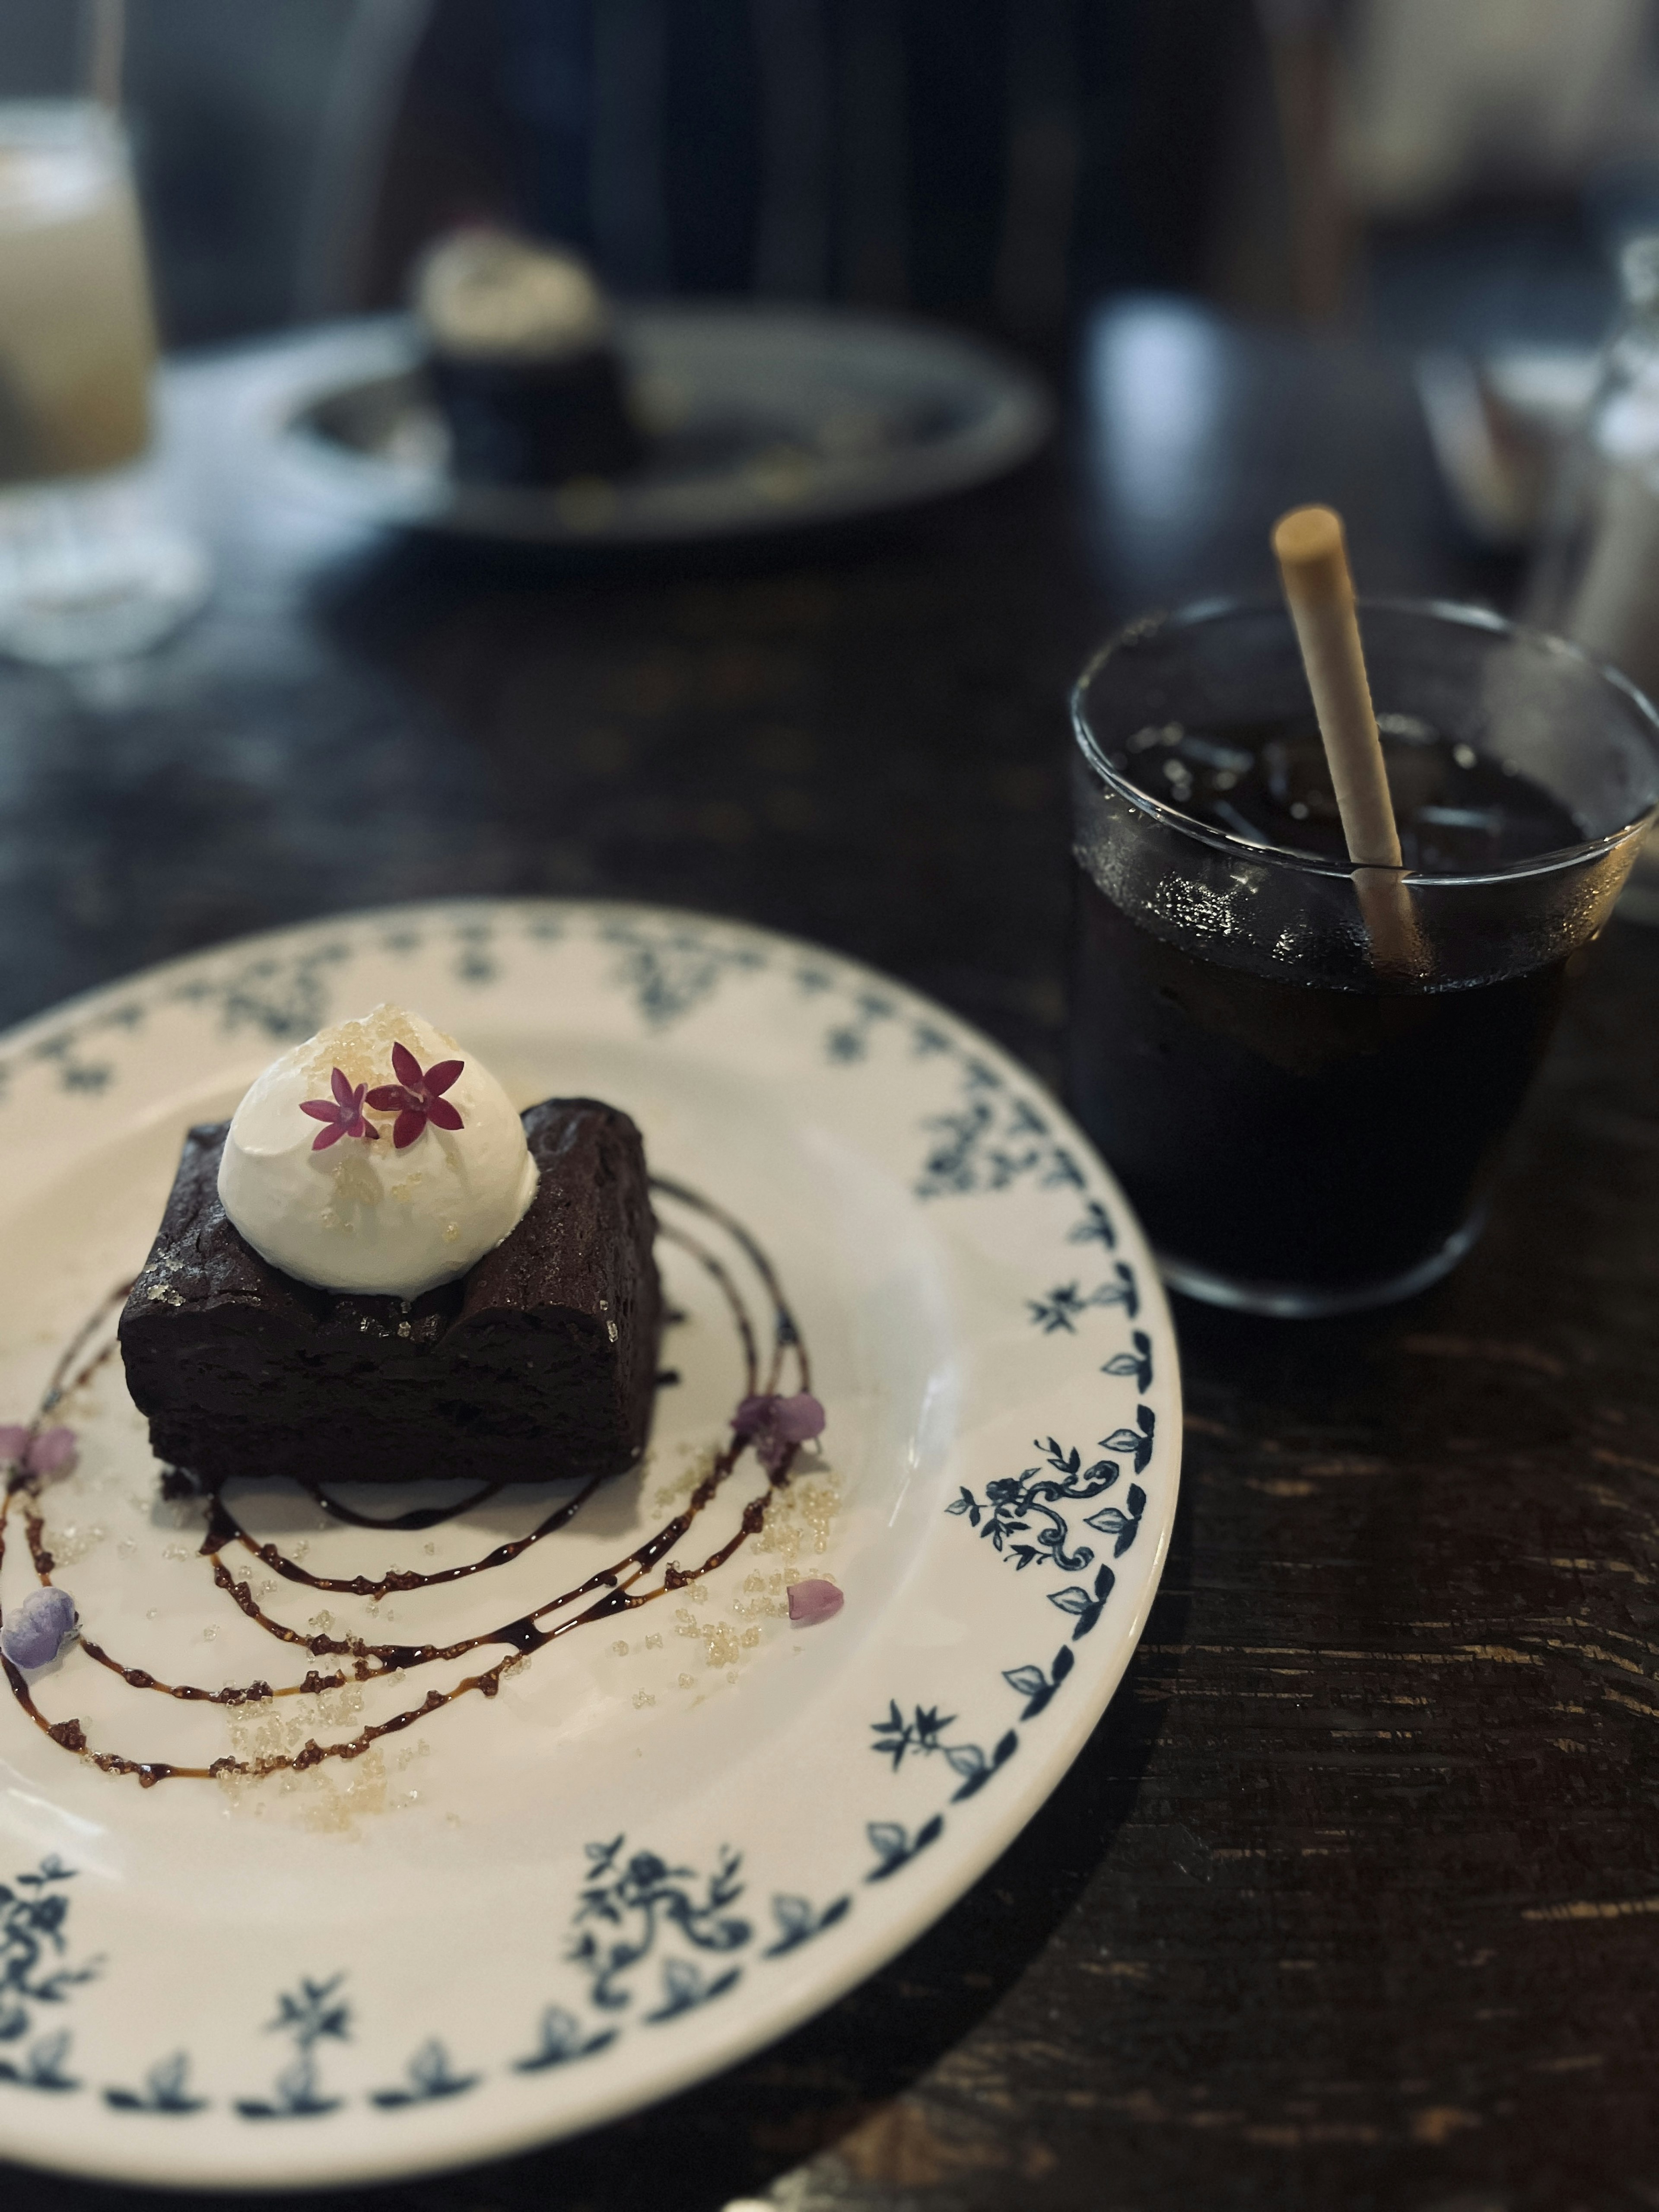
<point>343,1113</point>
<point>416,1099</point>
<point>776,1425</point>
<point>44,1451</point>
<point>812,1602</point>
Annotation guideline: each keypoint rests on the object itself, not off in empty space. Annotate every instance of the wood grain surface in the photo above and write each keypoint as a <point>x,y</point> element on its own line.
<point>1352,1901</point>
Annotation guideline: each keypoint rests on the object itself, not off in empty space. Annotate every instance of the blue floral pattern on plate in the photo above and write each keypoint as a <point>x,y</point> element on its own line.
<point>658,1935</point>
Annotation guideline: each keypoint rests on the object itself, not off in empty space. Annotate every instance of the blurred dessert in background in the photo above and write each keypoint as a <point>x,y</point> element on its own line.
<point>523,361</point>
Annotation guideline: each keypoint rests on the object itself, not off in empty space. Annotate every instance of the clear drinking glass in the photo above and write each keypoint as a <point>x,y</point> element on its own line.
<point>1595,578</point>
<point>90,564</point>
<point>1301,1133</point>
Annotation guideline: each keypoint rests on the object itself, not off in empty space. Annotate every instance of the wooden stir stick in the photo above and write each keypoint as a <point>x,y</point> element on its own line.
<point>1313,565</point>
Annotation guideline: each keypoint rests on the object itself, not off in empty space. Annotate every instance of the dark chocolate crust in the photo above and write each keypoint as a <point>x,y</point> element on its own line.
<point>540,1362</point>
<point>537,422</point>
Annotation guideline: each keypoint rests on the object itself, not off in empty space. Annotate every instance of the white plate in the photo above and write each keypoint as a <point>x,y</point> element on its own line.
<point>764,418</point>
<point>533,1913</point>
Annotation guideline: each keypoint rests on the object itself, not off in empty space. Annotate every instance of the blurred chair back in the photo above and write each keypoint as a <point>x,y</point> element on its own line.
<point>986,159</point>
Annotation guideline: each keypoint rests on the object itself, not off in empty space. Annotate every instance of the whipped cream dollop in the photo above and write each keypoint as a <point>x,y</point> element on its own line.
<point>487,295</point>
<point>391,1198</point>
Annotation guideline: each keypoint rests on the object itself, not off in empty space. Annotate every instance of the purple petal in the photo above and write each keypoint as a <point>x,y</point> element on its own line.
<point>320,1109</point>
<point>52,1451</point>
<point>390,1098</point>
<point>408,1125</point>
<point>812,1602</point>
<point>14,1443</point>
<point>341,1088</point>
<point>35,1632</point>
<point>331,1135</point>
<point>442,1114</point>
<point>439,1077</point>
<point>797,1419</point>
<point>753,1415</point>
<point>776,1425</point>
<point>407,1067</point>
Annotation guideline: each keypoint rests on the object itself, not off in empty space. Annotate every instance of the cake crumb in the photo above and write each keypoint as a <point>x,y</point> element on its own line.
<point>653,1643</point>
<point>620,1649</point>
<point>642,1698</point>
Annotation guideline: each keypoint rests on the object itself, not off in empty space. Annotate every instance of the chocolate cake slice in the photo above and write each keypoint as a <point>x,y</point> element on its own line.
<point>539,1362</point>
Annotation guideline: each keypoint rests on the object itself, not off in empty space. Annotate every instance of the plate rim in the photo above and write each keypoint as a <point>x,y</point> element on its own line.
<point>353,2162</point>
<point>1021,420</point>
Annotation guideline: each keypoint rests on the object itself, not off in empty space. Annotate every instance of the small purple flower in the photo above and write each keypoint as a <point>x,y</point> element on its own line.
<point>36,1633</point>
<point>811,1603</point>
<point>776,1425</point>
<point>31,1451</point>
<point>417,1098</point>
<point>344,1114</point>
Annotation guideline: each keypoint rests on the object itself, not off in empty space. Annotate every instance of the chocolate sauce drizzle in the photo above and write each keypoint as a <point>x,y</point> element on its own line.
<point>620,1587</point>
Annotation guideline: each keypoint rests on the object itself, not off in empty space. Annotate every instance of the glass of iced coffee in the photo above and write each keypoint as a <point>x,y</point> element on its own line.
<point>1304,1128</point>
<point>89,565</point>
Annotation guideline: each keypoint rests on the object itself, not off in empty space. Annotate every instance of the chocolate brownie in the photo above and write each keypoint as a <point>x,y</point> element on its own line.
<point>540,1361</point>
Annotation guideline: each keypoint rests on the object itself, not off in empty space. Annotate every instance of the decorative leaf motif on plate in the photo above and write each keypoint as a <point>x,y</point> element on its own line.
<point>1094,1228</point>
<point>1121,1522</point>
<point>627,1905</point>
<point>1084,1604</point>
<point>1021,1516</point>
<point>285,999</point>
<point>1035,1685</point>
<point>669,972</point>
<point>167,2089</point>
<point>924,1735</point>
<point>34,1911</point>
<point>849,1040</point>
<point>1065,1307</point>
<point>563,2040</point>
<point>895,1847</point>
<point>1137,1362</point>
<point>798,1922</point>
<point>686,1985</point>
<point>431,2077</point>
<point>475,960</point>
<point>311,2015</point>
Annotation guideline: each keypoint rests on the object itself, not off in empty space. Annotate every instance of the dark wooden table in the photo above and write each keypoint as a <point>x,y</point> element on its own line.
<point>1352,1900</point>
